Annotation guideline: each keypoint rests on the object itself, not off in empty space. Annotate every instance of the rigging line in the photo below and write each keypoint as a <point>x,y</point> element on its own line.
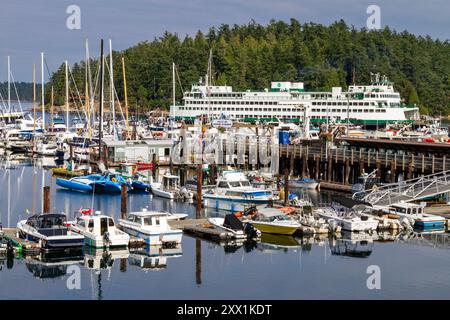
<point>116,95</point>
<point>17,94</point>
<point>78,112</point>
<point>3,101</point>
<point>78,93</point>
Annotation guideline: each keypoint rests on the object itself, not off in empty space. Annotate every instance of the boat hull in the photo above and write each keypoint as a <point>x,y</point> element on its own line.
<point>73,185</point>
<point>274,229</point>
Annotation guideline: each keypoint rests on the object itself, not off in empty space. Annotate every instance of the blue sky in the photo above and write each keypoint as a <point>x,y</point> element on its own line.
<point>31,26</point>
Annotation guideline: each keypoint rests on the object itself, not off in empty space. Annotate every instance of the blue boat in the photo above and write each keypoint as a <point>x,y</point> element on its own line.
<point>106,183</point>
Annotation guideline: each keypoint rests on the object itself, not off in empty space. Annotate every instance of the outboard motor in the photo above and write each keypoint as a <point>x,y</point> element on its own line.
<point>250,231</point>
<point>106,237</point>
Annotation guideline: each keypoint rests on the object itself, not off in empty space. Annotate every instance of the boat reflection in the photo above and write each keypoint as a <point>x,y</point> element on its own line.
<point>53,264</point>
<point>353,244</point>
<point>275,242</point>
<point>97,259</point>
<point>153,257</point>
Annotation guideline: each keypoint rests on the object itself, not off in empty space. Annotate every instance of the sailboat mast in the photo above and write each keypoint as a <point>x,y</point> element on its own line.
<point>125,93</point>
<point>67,96</point>
<point>87,93</point>
<point>42,91</point>
<point>111,84</point>
<point>9,85</point>
<point>173,90</point>
<point>52,109</point>
<point>34,98</point>
<point>100,133</point>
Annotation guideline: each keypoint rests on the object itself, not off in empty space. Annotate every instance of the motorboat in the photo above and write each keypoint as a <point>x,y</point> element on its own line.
<point>152,226</point>
<point>50,230</point>
<point>272,220</point>
<point>234,192</point>
<point>170,188</point>
<point>232,225</point>
<point>99,231</point>
<point>417,217</point>
<point>345,212</point>
<point>304,183</point>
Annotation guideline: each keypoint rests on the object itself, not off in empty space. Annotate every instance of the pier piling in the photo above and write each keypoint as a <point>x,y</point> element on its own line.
<point>123,202</point>
<point>46,199</point>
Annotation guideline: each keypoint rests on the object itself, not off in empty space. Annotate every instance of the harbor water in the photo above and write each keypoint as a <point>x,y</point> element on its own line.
<point>409,266</point>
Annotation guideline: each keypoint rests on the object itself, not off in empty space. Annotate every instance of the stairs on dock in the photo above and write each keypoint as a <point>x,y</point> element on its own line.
<point>408,190</point>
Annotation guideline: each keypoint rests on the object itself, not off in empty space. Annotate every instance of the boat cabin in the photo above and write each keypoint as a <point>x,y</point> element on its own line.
<point>170,182</point>
<point>405,208</point>
<point>49,224</point>
<point>96,224</point>
<point>148,219</point>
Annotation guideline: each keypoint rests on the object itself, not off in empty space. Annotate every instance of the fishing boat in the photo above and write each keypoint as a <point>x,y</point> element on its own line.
<point>415,213</point>
<point>271,220</point>
<point>152,226</point>
<point>50,230</point>
<point>234,192</point>
<point>99,231</point>
<point>170,188</point>
<point>304,183</point>
<point>234,226</point>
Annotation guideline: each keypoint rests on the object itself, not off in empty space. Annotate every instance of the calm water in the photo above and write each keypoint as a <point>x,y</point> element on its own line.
<point>278,268</point>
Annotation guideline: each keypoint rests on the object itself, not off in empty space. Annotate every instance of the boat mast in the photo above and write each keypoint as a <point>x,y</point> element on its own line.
<point>34,99</point>
<point>67,96</point>
<point>87,95</point>
<point>42,91</point>
<point>9,88</point>
<point>173,91</point>
<point>111,84</point>
<point>52,109</point>
<point>100,133</point>
<point>125,93</point>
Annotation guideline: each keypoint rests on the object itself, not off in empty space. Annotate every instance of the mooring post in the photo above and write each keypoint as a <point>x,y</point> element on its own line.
<point>199,191</point>
<point>123,265</point>
<point>123,202</point>
<point>70,152</point>
<point>286,186</point>
<point>330,167</point>
<point>317,168</point>
<point>347,171</point>
<point>46,199</point>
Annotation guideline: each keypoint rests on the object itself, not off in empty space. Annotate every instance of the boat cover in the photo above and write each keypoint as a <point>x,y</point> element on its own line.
<point>232,222</point>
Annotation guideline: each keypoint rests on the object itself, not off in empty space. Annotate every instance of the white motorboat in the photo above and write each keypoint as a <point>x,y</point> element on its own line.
<point>347,217</point>
<point>170,188</point>
<point>152,226</point>
<point>416,216</point>
<point>234,192</point>
<point>50,230</point>
<point>100,231</point>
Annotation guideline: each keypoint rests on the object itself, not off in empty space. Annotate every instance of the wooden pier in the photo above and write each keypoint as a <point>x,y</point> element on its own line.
<point>20,245</point>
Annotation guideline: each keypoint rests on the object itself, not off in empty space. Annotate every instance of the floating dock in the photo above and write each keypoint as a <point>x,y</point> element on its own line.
<point>20,245</point>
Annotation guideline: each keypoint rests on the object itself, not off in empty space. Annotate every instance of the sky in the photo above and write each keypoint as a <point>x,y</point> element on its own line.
<point>29,27</point>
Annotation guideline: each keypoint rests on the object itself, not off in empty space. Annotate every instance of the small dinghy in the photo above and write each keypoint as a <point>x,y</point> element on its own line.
<point>234,226</point>
<point>99,231</point>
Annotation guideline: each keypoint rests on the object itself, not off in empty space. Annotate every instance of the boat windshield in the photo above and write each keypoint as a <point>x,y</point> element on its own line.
<point>245,184</point>
<point>235,183</point>
<point>264,218</point>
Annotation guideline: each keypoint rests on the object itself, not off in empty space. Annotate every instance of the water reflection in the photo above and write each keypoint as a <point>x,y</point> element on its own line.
<point>52,265</point>
<point>153,257</point>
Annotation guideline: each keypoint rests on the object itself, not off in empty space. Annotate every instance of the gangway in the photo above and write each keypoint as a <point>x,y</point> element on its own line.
<point>407,190</point>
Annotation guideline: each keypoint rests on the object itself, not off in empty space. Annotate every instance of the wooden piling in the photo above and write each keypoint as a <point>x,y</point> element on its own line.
<point>46,199</point>
<point>123,202</point>
<point>199,191</point>
<point>286,187</point>
<point>317,168</point>
<point>347,171</point>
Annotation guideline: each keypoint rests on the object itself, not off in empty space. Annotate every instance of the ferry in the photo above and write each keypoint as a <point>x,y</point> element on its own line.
<point>374,104</point>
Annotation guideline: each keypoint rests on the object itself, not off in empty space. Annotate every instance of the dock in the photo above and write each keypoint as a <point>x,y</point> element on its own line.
<point>201,228</point>
<point>20,245</point>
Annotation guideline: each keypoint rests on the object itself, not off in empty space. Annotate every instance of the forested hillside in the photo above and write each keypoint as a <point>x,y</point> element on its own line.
<point>251,56</point>
<point>24,90</point>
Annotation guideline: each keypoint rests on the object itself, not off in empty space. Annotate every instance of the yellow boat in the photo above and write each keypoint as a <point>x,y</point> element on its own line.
<point>271,220</point>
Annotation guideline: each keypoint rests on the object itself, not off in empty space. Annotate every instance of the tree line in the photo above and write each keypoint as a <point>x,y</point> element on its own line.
<point>250,56</point>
